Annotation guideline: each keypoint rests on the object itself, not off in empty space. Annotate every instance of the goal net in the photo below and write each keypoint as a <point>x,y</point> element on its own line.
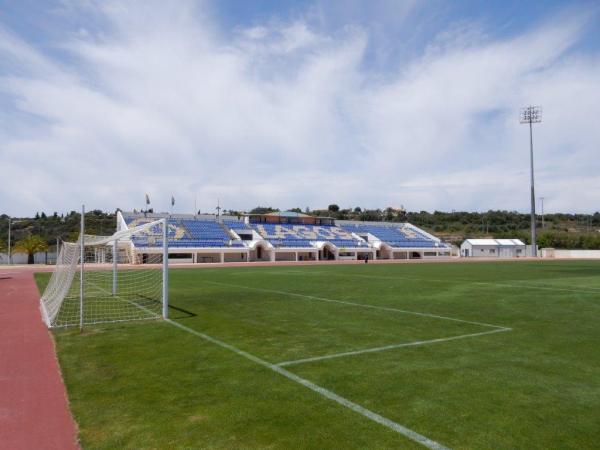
<point>101,279</point>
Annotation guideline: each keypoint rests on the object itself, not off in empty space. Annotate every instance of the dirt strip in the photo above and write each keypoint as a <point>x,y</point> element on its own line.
<point>34,411</point>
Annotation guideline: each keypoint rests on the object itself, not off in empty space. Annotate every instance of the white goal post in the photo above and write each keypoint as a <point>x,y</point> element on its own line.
<point>101,279</point>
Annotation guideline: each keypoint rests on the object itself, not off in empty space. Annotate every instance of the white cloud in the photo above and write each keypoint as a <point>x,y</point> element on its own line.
<point>161,101</point>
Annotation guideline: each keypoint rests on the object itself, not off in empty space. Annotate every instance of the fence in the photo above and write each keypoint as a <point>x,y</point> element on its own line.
<point>576,254</point>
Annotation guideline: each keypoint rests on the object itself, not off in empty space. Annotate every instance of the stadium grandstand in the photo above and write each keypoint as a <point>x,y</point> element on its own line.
<point>279,236</point>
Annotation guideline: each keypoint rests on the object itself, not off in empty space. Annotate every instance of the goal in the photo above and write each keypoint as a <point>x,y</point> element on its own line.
<point>101,279</point>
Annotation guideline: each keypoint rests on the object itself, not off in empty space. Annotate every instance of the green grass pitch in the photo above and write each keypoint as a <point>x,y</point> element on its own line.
<point>520,368</point>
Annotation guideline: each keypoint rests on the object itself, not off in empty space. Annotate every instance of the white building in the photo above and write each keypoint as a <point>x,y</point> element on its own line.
<point>493,248</point>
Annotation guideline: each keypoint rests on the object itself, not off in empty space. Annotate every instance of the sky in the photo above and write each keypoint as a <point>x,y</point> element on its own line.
<point>297,104</point>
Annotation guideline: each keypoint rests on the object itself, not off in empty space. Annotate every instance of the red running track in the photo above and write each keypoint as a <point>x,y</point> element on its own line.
<point>34,411</point>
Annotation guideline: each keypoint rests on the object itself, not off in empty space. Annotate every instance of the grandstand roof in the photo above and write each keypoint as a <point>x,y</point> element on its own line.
<point>481,241</point>
<point>283,214</point>
<point>495,242</point>
<point>510,242</point>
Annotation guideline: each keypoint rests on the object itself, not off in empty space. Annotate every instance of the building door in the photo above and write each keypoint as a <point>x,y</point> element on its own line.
<point>328,254</point>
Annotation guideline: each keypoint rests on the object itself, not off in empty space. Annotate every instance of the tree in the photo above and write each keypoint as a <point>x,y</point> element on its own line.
<point>31,245</point>
<point>333,208</point>
<point>73,236</point>
<point>263,210</point>
<point>390,214</point>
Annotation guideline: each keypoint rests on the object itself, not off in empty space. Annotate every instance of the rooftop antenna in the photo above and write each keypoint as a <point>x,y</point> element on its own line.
<point>531,115</point>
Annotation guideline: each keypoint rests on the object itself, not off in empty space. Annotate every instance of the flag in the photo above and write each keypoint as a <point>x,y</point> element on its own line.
<point>147,199</point>
<point>172,201</point>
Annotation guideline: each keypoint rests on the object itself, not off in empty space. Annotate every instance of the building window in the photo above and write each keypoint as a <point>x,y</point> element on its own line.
<point>492,250</point>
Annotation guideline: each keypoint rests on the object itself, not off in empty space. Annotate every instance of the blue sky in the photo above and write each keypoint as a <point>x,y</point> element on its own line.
<point>296,104</point>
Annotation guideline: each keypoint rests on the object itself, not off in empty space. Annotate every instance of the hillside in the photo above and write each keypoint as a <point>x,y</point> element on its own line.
<point>560,230</point>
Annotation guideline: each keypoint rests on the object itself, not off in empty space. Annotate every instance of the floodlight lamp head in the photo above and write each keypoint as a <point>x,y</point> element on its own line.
<point>531,114</point>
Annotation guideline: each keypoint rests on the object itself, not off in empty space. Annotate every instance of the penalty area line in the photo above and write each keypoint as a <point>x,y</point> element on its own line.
<point>359,305</point>
<point>388,347</point>
<point>588,290</point>
<point>413,435</point>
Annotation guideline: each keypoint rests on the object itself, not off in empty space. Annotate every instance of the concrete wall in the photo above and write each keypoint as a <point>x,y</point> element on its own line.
<point>208,257</point>
<point>21,258</point>
<point>581,254</point>
<point>436,253</point>
<point>235,257</point>
<point>177,260</point>
<point>285,256</point>
<point>307,256</point>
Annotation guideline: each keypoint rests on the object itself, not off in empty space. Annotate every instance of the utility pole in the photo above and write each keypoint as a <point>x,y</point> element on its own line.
<point>10,222</point>
<point>542,204</point>
<point>9,225</point>
<point>531,115</point>
<point>218,210</point>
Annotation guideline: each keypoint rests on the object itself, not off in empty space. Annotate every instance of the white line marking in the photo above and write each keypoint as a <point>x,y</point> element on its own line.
<point>387,347</point>
<point>533,286</point>
<point>320,390</point>
<point>361,305</point>
<point>589,290</point>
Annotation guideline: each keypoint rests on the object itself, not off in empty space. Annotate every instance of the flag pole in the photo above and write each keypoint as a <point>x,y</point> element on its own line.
<point>147,204</point>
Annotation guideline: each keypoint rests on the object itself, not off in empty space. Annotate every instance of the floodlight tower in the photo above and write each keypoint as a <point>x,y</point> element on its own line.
<point>531,115</point>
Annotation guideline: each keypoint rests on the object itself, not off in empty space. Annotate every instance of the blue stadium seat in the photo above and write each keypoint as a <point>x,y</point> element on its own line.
<point>396,236</point>
<point>236,224</point>
<point>188,233</point>
<point>286,235</point>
